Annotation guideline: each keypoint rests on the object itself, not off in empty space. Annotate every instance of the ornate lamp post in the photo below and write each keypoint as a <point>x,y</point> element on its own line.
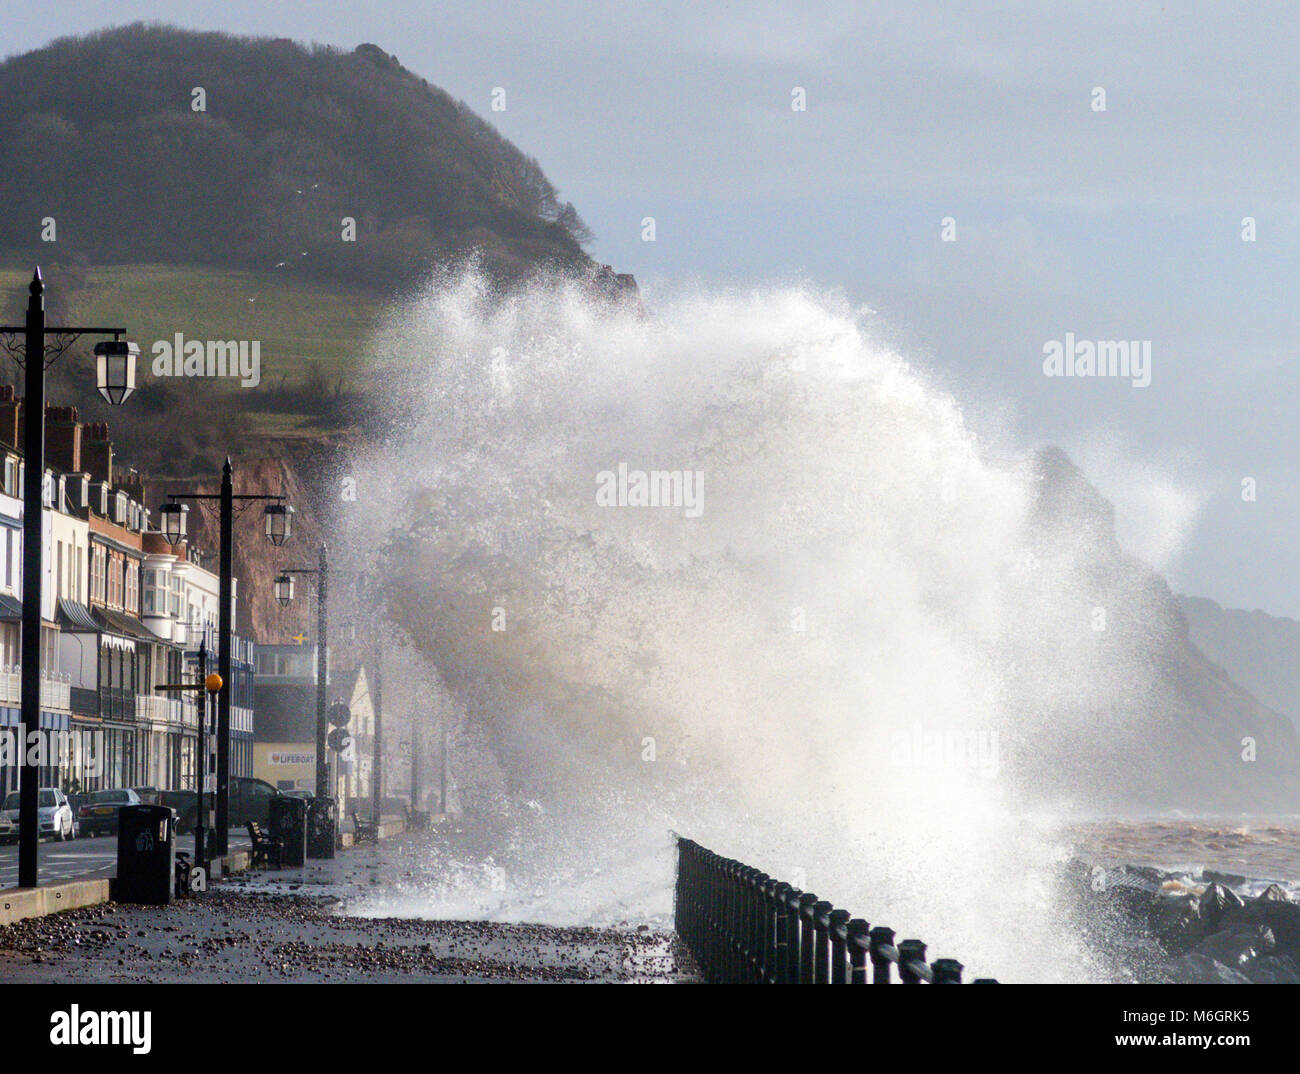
<point>115,369</point>
<point>284,589</point>
<point>284,593</point>
<point>278,527</point>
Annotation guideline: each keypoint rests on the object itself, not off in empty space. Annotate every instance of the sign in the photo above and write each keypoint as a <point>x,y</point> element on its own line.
<point>339,714</point>
<point>290,758</point>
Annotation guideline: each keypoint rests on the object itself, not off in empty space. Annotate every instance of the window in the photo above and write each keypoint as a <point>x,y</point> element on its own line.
<point>97,574</point>
<point>132,587</point>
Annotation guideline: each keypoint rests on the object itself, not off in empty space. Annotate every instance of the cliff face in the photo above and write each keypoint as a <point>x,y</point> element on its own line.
<point>1170,727</point>
<point>1259,651</point>
<point>256,561</point>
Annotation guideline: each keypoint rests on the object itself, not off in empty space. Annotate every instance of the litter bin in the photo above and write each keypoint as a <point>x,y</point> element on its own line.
<point>289,827</point>
<point>146,854</point>
<point>322,827</point>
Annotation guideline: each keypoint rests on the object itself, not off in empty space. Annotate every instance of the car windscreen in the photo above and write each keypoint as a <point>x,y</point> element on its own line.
<point>11,800</point>
<point>109,796</point>
<point>46,799</point>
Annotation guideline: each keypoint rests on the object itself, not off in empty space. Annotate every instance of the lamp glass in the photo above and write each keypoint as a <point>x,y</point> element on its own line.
<point>115,364</point>
<point>279,523</point>
<point>284,589</point>
<point>173,518</point>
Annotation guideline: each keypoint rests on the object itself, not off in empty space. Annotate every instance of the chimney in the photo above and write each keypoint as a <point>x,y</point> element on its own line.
<point>97,452</point>
<point>63,439</point>
<point>10,412</point>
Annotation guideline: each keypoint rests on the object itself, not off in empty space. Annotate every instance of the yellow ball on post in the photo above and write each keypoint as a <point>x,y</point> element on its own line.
<point>213,683</point>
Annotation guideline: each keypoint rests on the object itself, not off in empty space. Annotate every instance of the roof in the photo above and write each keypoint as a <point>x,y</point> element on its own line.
<point>118,623</point>
<point>11,608</point>
<point>76,618</point>
<point>343,684</point>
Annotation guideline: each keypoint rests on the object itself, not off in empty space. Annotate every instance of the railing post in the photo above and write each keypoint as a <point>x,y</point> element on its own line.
<point>910,951</point>
<point>709,965</point>
<point>946,971</point>
<point>807,939</point>
<point>821,932</point>
<point>881,938</point>
<point>780,934</point>
<point>756,940</point>
<point>792,931</point>
<point>748,919</point>
<point>838,928</point>
<point>734,957</point>
<point>757,926</point>
<point>772,952</point>
<point>859,941</point>
<point>716,948</point>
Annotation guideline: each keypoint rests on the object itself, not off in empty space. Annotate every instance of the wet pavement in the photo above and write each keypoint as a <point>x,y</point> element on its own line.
<point>225,936</point>
<point>413,909</point>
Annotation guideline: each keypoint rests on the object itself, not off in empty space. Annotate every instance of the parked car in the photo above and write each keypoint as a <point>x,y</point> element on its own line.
<point>55,817</point>
<point>98,812</point>
<point>250,799</point>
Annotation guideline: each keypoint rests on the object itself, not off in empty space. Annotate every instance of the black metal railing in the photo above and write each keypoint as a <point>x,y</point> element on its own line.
<point>743,927</point>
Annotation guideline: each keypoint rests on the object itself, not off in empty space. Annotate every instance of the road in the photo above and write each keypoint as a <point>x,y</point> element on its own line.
<point>87,856</point>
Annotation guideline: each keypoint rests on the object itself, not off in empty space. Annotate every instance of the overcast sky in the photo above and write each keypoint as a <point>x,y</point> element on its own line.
<point>1116,224</point>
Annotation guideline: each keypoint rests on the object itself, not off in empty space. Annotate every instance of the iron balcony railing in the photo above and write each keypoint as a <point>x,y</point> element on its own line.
<point>743,927</point>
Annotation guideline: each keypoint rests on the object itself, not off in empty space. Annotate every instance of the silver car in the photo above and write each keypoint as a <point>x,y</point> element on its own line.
<point>54,815</point>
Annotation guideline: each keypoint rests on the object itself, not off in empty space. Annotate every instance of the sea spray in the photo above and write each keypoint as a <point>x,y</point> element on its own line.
<point>861,572</point>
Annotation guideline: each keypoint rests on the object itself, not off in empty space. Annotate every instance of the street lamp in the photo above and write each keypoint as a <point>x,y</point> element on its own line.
<point>116,381</point>
<point>284,589</point>
<point>284,594</point>
<point>278,524</point>
<point>172,517</point>
<point>115,369</point>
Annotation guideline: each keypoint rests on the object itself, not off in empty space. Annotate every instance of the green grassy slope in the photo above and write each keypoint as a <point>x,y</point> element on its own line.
<point>311,332</point>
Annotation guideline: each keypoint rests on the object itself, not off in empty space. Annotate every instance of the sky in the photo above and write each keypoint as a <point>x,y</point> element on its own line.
<point>1111,224</point>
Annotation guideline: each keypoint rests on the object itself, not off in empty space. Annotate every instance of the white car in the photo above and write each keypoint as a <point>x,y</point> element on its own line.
<point>53,812</point>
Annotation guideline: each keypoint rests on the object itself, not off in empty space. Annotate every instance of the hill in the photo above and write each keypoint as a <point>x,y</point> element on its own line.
<point>1177,730</point>
<point>1260,651</point>
<point>234,221</point>
<point>160,145</point>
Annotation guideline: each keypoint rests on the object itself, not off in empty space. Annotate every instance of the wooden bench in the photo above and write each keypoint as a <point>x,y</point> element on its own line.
<point>364,830</point>
<point>265,849</point>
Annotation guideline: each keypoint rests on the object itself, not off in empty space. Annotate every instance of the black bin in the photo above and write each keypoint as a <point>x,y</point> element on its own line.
<point>146,854</point>
<point>322,827</point>
<point>289,828</point>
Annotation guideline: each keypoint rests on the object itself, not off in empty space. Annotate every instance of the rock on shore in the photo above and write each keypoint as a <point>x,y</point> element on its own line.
<point>1199,928</point>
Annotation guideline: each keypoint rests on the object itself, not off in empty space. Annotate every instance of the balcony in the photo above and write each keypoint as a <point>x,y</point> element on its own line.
<point>55,689</point>
<point>153,708</point>
<point>85,702</point>
<point>117,703</point>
